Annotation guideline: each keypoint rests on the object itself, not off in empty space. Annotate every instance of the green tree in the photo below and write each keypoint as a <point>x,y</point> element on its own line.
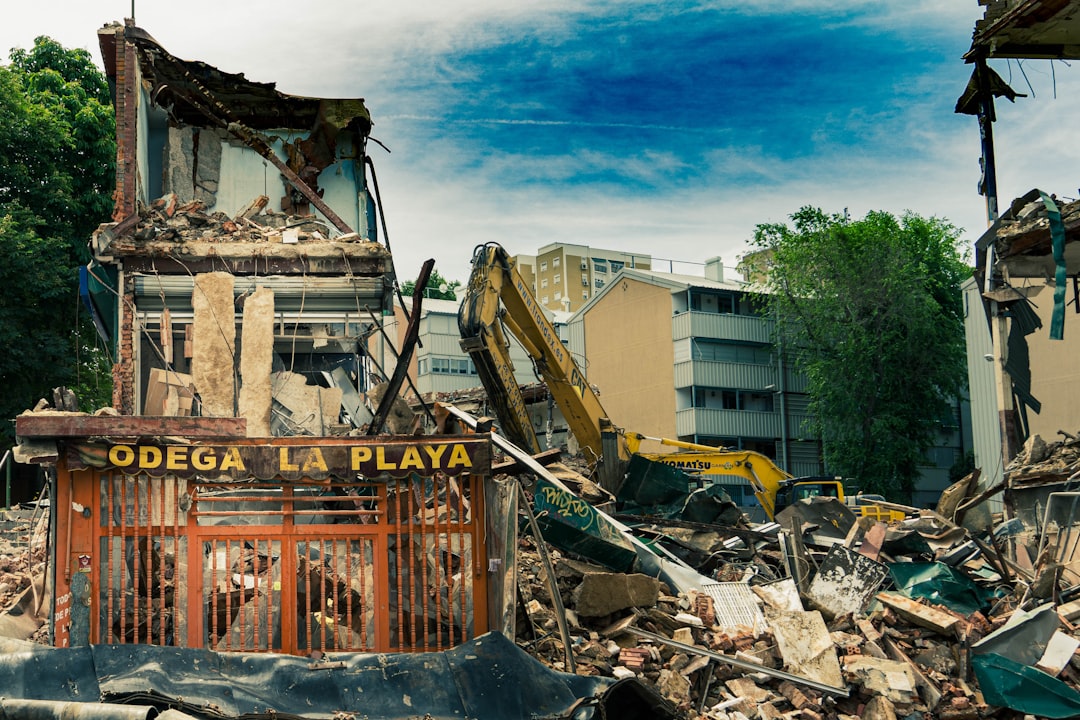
<point>438,287</point>
<point>872,312</point>
<point>57,157</point>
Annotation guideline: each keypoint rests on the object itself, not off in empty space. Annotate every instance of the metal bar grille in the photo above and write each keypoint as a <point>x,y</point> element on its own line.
<point>137,571</point>
<point>258,567</point>
<point>736,606</point>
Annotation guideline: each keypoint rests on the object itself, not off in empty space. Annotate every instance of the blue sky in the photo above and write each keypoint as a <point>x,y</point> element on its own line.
<point>665,128</point>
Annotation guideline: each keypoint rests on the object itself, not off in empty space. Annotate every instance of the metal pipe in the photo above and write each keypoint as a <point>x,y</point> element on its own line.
<point>7,481</point>
<point>741,664</point>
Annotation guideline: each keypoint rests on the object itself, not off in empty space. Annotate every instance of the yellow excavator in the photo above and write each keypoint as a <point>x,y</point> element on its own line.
<point>498,299</point>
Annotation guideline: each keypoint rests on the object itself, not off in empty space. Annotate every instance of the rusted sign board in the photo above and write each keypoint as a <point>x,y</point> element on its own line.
<point>290,545</point>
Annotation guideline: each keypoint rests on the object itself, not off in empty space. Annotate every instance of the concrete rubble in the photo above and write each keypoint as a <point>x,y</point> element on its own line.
<point>862,638</point>
<point>922,617</point>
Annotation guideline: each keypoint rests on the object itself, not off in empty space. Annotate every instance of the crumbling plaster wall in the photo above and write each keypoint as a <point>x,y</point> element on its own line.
<point>256,361</point>
<point>214,344</point>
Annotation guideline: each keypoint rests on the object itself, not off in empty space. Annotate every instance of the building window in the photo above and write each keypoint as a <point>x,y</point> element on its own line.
<point>544,300</point>
<point>422,366</point>
<point>599,283</point>
<point>720,399</point>
<point>712,302</point>
<point>616,266</point>
<point>558,296</point>
<point>452,366</point>
<point>543,283</point>
<point>543,266</point>
<point>555,262</point>
<point>600,266</point>
<point>558,279</point>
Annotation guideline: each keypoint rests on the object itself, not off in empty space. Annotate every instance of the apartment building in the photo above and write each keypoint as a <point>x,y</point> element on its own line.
<point>689,357</point>
<point>692,358</point>
<point>565,276</point>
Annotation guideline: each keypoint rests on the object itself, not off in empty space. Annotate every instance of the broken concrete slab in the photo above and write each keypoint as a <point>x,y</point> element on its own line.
<point>601,594</point>
<point>805,645</point>
<point>879,708</point>
<point>213,353</point>
<point>845,582</point>
<point>891,679</point>
<point>256,361</point>
<point>780,595</point>
<point>312,409</point>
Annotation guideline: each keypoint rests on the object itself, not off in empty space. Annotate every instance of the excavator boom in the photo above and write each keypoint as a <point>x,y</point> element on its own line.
<point>497,297</point>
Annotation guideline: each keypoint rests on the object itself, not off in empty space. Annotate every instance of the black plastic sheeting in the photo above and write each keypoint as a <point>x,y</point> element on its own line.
<point>486,678</point>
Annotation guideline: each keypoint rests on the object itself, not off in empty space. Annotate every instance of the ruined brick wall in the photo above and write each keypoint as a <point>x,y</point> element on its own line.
<point>123,369</point>
<point>126,102</point>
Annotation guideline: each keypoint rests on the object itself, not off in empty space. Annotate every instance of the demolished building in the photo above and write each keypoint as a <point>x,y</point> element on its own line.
<point>241,495</point>
<point>237,517</point>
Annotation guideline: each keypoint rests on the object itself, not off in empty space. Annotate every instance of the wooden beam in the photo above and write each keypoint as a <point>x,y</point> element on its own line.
<point>60,425</point>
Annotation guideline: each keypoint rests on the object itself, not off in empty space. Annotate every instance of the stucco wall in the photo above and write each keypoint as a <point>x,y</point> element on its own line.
<point>630,356</point>
<point>1055,372</point>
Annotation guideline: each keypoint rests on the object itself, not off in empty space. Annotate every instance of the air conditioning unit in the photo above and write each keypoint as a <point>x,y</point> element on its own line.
<point>584,265</point>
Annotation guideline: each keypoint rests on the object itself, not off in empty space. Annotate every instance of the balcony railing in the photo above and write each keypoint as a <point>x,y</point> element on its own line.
<point>717,326</point>
<point>709,373</point>
<point>727,423</point>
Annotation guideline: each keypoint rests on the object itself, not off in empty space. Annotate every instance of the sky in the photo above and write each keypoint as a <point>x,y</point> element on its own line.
<point>664,128</point>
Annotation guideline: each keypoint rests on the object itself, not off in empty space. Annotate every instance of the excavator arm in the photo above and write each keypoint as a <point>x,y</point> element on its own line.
<point>482,337</point>
<point>496,297</point>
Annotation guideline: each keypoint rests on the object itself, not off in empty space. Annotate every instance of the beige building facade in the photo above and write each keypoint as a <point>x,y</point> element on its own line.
<point>565,276</point>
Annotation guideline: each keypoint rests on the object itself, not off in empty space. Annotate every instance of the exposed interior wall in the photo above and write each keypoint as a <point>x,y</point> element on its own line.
<point>1055,370</point>
<point>630,356</point>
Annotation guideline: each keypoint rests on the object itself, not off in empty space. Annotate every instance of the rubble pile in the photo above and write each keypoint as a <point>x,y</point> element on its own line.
<point>22,553</point>
<point>169,221</point>
<point>814,618</point>
<point>24,599</point>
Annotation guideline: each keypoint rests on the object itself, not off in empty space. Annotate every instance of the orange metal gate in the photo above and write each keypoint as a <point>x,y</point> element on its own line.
<point>295,569</point>
<point>386,566</point>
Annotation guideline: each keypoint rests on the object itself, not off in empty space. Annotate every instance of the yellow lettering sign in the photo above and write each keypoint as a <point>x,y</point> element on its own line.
<point>283,460</point>
<point>121,455</point>
<point>314,460</point>
<point>149,456</point>
<point>176,457</point>
<point>232,460</point>
<point>203,459</point>
<point>380,459</point>
<point>459,456</point>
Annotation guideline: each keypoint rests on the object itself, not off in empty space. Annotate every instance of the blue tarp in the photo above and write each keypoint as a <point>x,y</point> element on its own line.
<point>489,678</point>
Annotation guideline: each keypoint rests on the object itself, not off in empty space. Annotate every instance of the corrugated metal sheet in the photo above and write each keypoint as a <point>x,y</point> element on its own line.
<point>982,389</point>
<point>339,293</point>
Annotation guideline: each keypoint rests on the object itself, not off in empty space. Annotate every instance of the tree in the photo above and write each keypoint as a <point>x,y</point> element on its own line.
<point>57,159</point>
<point>872,312</point>
<point>438,287</point>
